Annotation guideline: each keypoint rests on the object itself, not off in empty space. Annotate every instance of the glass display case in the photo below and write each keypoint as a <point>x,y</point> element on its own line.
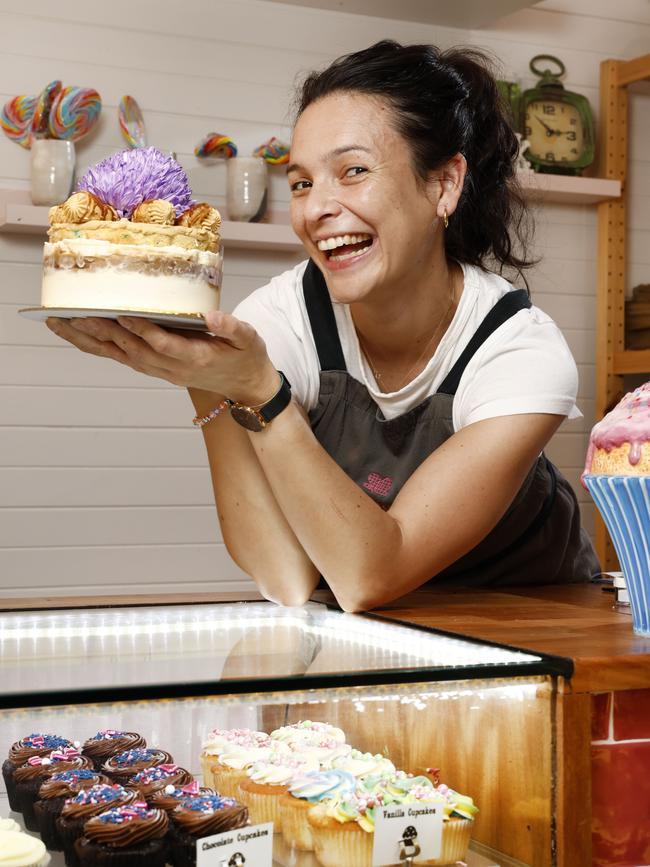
<point>480,714</point>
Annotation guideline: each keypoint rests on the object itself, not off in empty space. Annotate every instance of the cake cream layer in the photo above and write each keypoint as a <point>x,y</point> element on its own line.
<point>88,273</point>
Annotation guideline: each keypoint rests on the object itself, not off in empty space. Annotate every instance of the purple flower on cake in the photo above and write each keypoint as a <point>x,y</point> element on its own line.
<point>130,177</point>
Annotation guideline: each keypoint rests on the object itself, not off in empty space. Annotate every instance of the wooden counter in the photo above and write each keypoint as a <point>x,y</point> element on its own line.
<point>577,621</point>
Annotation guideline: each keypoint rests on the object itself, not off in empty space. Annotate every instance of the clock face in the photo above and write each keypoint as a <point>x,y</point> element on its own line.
<point>555,131</point>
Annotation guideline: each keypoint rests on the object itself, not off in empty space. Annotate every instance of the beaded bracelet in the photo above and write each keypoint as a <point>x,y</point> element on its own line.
<point>201,420</point>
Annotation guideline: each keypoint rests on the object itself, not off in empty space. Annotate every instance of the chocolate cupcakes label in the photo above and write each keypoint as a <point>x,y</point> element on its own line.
<point>250,846</point>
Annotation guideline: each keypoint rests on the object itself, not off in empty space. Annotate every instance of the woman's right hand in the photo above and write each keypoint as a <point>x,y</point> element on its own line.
<point>231,360</point>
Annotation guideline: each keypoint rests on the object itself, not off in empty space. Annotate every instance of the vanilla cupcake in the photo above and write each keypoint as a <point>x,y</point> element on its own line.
<point>267,781</point>
<point>236,757</point>
<point>322,749</point>
<point>362,765</point>
<point>306,730</point>
<point>306,790</point>
<point>22,850</point>
<point>343,830</point>
<point>218,739</point>
<point>9,825</point>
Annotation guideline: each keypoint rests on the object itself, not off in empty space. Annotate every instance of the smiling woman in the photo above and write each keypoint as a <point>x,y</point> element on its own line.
<point>403,440</point>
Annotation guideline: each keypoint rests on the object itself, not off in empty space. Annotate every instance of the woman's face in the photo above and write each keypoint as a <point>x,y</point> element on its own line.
<point>364,217</point>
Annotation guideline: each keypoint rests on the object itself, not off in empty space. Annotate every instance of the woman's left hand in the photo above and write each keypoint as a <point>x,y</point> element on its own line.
<point>230,361</point>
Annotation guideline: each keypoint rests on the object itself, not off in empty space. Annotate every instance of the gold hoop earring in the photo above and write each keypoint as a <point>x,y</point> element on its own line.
<point>445,219</point>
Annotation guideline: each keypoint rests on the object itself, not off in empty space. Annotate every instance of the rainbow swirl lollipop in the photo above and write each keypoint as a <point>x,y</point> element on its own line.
<point>274,152</point>
<point>41,119</point>
<point>16,119</point>
<point>74,112</point>
<point>131,122</point>
<point>216,145</point>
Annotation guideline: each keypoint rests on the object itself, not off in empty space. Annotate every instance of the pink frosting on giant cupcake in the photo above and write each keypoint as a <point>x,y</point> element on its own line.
<point>628,422</point>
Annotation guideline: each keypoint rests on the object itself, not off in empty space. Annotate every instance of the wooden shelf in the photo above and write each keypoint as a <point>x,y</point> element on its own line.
<point>631,361</point>
<point>567,189</point>
<point>18,215</point>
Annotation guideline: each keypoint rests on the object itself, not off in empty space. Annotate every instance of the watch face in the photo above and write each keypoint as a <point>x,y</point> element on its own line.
<point>555,132</point>
<point>247,417</point>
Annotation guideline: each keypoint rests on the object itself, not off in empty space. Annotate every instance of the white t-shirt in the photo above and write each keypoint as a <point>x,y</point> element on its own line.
<point>525,366</point>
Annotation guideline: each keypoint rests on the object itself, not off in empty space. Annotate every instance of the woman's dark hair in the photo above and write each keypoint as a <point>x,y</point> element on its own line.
<point>446,102</point>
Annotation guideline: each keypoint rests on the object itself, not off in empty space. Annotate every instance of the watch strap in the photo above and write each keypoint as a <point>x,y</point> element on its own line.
<point>280,400</point>
<point>256,418</point>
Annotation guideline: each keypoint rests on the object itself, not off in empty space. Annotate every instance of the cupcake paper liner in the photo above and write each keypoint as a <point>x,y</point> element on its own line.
<point>624,503</point>
<point>456,835</point>
<point>295,827</point>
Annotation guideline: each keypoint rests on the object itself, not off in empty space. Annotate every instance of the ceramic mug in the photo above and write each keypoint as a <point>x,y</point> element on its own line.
<point>52,170</point>
<point>246,188</point>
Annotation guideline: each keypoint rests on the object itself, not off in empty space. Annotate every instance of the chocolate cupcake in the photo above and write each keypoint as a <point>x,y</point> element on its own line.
<point>123,766</point>
<point>30,777</point>
<point>109,742</point>
<point>132,836</point>
<point>82,807</point>
<point>169,798</point>
<point>52,796</point>
<point>201,817</point>
<point>153,780</point>
<point>31,745</point>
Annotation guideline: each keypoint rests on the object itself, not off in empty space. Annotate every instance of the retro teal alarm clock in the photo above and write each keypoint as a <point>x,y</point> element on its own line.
<point>557,123</point>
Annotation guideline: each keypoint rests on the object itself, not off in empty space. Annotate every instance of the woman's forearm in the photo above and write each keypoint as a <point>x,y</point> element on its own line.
<point>255,530</point>
<point>348,537</point>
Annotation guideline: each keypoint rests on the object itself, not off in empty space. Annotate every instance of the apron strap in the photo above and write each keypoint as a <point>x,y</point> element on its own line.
<point>322,319</point>
<point>506,306</point>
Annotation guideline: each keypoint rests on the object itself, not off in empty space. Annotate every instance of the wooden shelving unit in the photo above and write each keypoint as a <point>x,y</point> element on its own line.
<point>612,359</point>
<point>17,214</point>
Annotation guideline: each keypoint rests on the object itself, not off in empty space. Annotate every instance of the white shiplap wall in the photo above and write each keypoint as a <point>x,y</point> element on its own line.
<point>103,483</point>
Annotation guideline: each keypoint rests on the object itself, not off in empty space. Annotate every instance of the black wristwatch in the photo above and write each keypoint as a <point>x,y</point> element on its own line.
<point>256,418</point>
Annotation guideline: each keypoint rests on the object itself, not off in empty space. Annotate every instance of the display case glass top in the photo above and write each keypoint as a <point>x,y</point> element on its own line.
<point>182,650</point>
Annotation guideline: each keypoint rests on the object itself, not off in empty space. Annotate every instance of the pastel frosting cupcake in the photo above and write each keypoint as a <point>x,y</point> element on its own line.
<point>229,766</point>
<point>305,790</point>
<point>364,764</point>
<point>306,730</point>
<point>35,744</point>
<point>267,780</point>
<point>217,739</point>
<point>134,831</point>
<point>110,742</point>
<point>87,803</point>
<point>52,796</point>
<point>22,850</point>
<point>202,816</point>
<point>323,749</point>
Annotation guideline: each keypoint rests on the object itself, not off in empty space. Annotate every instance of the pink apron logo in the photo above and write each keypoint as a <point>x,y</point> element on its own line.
<point>377,484</point>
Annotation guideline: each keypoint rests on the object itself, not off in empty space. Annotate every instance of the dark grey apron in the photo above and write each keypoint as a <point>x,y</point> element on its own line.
<point>539,539</point>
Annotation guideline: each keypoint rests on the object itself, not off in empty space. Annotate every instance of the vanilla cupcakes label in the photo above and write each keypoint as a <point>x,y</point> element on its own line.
<point>407,829</point>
